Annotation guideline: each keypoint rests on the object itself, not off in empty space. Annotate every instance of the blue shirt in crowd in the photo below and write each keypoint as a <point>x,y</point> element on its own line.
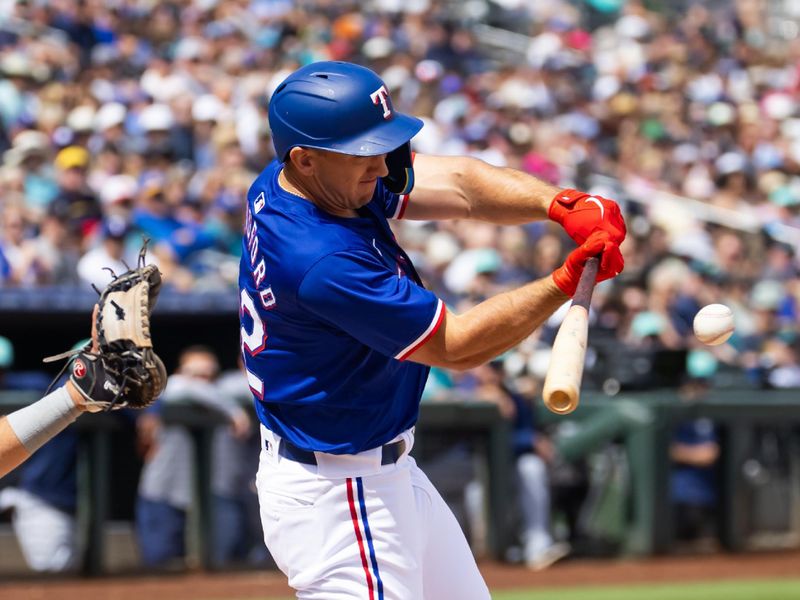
<point>694,485</point>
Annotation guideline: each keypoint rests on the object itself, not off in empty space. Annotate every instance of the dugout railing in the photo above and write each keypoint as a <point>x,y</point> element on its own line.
<point>641,423</point>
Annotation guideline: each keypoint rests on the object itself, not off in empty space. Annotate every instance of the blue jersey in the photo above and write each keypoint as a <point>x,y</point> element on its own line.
<point>330,308</point>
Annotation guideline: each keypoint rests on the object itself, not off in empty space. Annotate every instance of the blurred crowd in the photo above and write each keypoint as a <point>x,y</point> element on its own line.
<point>127,118</point>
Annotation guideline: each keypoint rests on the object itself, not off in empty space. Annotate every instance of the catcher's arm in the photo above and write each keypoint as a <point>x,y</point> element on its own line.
<point>25,430</point>
<point>12,452</point>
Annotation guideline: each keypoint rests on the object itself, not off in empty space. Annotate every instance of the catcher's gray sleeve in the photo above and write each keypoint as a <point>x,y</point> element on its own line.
<point>37,423</point>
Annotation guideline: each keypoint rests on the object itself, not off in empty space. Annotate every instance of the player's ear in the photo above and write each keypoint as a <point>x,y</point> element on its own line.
<point>302,160</point>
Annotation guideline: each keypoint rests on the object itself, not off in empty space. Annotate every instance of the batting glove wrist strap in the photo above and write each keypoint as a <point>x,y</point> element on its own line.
<point>566,277</point>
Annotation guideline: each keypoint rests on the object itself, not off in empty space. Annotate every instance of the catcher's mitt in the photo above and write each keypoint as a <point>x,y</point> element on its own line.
<point>120,369</point>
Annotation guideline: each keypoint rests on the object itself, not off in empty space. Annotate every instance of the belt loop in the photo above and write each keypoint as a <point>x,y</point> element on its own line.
<point>408,437</point>
<point>270,444</point>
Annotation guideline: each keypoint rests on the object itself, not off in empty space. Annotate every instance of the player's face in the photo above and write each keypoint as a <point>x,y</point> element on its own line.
<point>345,181</point>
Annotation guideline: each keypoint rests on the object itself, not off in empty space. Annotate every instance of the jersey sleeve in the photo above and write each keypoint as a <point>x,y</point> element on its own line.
<point>394,205</point>
<point>357,294</point>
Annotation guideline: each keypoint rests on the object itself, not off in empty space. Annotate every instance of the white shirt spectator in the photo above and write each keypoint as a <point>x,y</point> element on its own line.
<point>92,265</point>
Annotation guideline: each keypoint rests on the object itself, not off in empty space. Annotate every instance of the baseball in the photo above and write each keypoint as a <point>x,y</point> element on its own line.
<point>713,324</point>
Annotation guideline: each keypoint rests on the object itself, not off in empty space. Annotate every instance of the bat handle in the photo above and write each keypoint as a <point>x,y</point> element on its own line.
<point>583,293</point>
<point>561,390</point>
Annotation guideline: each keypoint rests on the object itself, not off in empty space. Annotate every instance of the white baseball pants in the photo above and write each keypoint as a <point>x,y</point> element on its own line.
<point>350,528</point>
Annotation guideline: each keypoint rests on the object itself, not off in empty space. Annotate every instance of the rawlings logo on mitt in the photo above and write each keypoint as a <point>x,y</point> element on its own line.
<point>119,368</point>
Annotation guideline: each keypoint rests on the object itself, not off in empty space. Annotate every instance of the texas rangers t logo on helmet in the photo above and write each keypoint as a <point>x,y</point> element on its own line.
<point>382,95</point>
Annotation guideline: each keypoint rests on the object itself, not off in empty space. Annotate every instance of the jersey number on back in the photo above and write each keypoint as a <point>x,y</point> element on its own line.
<point>253,341</point>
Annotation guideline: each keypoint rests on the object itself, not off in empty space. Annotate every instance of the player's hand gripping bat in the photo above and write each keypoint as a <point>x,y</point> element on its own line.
<point>562,384</point>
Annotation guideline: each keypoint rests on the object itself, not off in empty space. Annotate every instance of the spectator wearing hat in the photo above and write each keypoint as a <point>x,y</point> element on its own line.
<point>17,100</point>
<point>176,223</point>
<point>29,152</point>
<point>780,262</point>
<point>206,112</point>
<point>191,234</point>
<point>152,213</point>
<point>80,122</point>
<point>75,203</point>
<point>117,195</point>
<point>108,161</point>
<point>157,122</point>
<point>734,180</point>
<point>109,125</point>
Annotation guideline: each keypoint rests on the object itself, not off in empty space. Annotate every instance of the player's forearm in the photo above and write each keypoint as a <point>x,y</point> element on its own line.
<point>492,327</point>
<point>506,196</point>
<point>500,323</point>
<point>469,188</point>
<point>26,430</point>
<point>12,452</point>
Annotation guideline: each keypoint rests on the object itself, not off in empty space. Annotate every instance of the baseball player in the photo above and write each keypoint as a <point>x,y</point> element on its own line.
<point>338,332</point>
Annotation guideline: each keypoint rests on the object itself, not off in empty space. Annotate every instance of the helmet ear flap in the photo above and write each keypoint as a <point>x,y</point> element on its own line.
<point>400,179</point>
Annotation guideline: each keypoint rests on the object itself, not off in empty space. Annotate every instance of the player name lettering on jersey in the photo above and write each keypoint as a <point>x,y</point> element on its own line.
<point>251,235</point>
<point>258,267</point>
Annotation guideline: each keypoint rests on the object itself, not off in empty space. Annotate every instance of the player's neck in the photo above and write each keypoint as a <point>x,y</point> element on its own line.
<point>287,186</point>
<point>287,183</point>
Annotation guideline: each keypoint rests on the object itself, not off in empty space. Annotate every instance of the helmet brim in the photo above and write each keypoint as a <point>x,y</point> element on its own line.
<point>381,139</point>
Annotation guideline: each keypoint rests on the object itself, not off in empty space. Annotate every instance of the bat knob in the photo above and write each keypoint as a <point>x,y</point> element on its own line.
<point>560,402</point>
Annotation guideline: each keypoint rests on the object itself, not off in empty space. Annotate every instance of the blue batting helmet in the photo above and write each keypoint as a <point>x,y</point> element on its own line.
<point>345,108</point>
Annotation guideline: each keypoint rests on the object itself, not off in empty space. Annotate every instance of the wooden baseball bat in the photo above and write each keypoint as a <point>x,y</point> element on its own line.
<point>562,384</point>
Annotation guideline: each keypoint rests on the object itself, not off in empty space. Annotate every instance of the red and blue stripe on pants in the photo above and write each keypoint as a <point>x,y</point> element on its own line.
<point>370,567</point>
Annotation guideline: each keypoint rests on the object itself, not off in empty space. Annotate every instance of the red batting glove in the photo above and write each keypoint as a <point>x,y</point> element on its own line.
<point>581,214</point>
<point>611,262</point>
